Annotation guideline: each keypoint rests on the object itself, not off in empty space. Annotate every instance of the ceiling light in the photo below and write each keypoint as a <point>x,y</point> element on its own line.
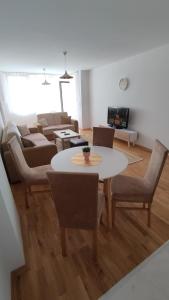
<point>45,82</point>
<point>66,75</point>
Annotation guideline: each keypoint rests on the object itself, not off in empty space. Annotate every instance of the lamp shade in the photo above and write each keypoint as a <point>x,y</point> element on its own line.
<point>66,75</point>
<point>45,82</point>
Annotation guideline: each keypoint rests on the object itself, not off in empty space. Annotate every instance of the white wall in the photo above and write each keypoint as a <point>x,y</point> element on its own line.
<point>147,95</point>
<point>83,98</point>
<point>5,286</point>
<point>11,248</point>
<point>1,126</point>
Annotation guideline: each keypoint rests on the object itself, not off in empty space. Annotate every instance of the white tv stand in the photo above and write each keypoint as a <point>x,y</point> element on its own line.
<point>130,136</point>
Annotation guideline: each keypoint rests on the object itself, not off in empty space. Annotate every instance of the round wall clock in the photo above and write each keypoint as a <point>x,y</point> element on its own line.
<point>123,83</point>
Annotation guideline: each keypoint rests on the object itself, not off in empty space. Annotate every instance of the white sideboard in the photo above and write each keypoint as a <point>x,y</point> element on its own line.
<point>148,281</point>
<point>130,136</point>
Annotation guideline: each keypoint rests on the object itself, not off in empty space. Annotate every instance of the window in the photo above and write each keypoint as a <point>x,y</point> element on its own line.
<point>27,95</point>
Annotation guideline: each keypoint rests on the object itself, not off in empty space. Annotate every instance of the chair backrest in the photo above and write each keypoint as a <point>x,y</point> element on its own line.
<point>22,167</point>
<point>103,136</point>
<point>76,198</point>
<point>156,164</point>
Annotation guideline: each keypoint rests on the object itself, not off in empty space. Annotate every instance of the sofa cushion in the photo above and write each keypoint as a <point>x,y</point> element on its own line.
<point>52,118</point>
<point>37,139</point>
<point>23,129</point>
<point>43,122</point>
<point>49,117</point>
<point>127,188</point>
<point>27,143</point>
<point>57,117</point>
<point>11,131</point>
<point>50,129</point>
<point>65,120</point>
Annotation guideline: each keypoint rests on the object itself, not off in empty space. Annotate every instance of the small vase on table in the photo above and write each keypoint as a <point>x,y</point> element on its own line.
<point>86,154</point>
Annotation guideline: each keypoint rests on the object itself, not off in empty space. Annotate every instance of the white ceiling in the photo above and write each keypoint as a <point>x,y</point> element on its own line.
<point>33,33</point>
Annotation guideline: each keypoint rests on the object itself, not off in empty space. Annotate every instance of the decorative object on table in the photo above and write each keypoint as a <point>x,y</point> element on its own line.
<point>65,75</point>
<point>123,83</point>
<point>45,82</point>
<point>86,153</point>
<point>78,159</point>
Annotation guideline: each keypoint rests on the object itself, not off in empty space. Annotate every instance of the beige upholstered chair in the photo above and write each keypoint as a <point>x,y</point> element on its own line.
<point>103,136</point>
<point>30,176</point>
<point>140,189</point>
<point>78,203</point>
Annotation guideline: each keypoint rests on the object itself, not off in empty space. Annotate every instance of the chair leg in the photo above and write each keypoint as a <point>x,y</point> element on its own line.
<point>144,205</point>
<point>149,215</point>
<point>113,211</point>
<point>26,197</point>
<point>105,187</point>
<point>95,246</point>
<point>102,219</point>
<point>105,193</point>
<point>63,241</point>
<point>106,200</point>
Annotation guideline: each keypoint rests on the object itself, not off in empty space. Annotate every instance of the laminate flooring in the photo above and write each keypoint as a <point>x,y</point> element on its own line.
<point>49,276</point>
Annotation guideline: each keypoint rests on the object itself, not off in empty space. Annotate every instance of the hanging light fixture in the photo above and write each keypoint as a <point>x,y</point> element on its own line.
<point>45,82</point>
<point>66,75</point>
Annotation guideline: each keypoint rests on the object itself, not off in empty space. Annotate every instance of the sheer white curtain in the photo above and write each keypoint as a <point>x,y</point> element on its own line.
<point>4,96</point>
<point>70,98</point>
<point>28,97</point>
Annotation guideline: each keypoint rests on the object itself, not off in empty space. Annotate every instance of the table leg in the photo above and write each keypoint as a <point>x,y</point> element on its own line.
<point>63,145</point>
<point>107,190</point>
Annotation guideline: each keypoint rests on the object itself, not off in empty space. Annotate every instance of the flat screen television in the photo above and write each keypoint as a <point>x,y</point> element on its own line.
<point>118,117</point>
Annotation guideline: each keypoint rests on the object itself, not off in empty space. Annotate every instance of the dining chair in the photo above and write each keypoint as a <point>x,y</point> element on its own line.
<point>103,136</point>
<point>78,203</point>
<point>29,176</point>
<point>140,189</point>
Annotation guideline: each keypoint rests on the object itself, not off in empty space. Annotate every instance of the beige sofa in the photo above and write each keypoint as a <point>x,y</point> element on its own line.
<point>49,122</point>
<point>39,150</point>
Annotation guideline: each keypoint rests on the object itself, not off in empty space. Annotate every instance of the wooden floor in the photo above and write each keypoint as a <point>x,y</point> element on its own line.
<point>50,276</point>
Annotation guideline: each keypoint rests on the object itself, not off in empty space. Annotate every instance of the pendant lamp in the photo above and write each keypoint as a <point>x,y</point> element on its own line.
<point>66,75</point>
<point>45,82</point>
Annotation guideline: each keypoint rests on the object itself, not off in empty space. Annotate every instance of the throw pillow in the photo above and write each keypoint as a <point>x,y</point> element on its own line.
<point>66,120</point>
<point>27,143</point>
<point>43,122</point>
<point>24,130</point>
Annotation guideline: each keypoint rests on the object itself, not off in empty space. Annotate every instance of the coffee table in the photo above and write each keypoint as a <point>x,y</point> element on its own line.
<point>112,163</point>
<point>65,134</point>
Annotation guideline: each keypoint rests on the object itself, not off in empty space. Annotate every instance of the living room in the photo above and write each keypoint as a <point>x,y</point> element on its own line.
<point>120,42</point>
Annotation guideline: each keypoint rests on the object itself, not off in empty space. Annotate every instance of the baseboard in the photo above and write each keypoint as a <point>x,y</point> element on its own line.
<point>144,148</point>
<point>138,145</point>
<point>83,129</point>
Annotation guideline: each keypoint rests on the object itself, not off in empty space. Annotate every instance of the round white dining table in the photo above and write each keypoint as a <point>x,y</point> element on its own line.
<point>112,163</point>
